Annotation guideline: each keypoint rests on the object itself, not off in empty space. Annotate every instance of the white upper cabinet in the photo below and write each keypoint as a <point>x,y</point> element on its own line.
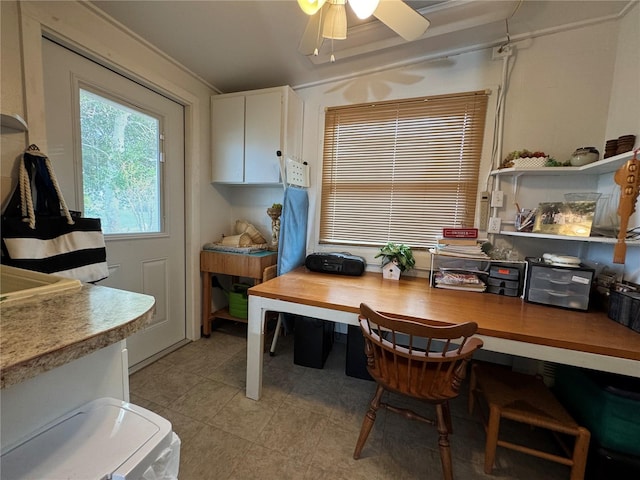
<point>227,139</point>
<point>247,131</point>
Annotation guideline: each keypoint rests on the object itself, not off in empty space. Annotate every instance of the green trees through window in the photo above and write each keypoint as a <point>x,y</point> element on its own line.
<point>120,165</point>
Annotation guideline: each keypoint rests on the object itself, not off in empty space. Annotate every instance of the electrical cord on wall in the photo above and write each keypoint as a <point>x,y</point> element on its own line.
<point>496,152</point>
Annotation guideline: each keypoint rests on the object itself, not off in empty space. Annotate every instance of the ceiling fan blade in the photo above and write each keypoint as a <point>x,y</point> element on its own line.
<point>402,19</point>
<point>312,38</point>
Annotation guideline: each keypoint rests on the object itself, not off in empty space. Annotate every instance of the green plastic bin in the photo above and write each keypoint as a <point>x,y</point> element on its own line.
<point>239,300</point>
<point>606,404</point>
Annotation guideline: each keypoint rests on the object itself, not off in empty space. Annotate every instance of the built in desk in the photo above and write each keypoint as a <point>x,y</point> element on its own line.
<point>505,324</point>
<point>248,265</point>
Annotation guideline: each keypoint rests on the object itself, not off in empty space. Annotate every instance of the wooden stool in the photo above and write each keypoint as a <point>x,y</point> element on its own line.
<point>525,399</point>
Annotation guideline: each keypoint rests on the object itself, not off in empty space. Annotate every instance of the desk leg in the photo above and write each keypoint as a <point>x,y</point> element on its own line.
<point>255,347</point>
<point>206,304</point>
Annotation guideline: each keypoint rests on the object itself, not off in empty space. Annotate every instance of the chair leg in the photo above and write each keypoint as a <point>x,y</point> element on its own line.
<point>276,334</point>
<point>493,427</point>
<point>580,452</point>
<point>446,410</point>
<point>367,422</point>
<point>443,443</point>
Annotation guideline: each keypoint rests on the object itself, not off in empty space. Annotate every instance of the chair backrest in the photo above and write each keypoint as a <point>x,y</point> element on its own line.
<point>424,360</point>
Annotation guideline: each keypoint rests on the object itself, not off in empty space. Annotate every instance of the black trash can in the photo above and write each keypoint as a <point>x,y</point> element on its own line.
<point>312,341</point>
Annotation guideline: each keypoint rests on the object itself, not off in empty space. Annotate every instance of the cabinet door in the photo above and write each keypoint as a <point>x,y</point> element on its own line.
<point>227,139</point>
<point>263,137</point>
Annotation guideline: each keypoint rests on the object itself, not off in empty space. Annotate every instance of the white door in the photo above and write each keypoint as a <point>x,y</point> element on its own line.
<point>134,182</point>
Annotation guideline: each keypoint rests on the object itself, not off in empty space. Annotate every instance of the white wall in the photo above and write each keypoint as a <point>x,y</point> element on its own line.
<point>250,203</point>
<point>623,118</point>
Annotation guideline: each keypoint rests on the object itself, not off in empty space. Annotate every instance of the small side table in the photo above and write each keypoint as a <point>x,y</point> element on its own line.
<point>249,265</point>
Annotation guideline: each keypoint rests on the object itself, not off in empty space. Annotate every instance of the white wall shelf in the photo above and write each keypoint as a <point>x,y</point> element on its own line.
<point>607,165</point>
<point>630,243</point>
<point>13,122</point>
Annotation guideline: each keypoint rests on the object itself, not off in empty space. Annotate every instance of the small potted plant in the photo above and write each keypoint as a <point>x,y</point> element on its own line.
<point>276,208</point>
<point>396,258</point>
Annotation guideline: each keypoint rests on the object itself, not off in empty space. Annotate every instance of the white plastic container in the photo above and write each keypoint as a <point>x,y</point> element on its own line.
<point>106,438</point>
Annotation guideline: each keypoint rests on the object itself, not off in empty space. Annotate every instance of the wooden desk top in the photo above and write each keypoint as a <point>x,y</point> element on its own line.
<point>496,315</point>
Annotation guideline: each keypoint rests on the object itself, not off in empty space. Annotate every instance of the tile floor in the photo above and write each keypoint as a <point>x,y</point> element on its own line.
<point>307,422</point>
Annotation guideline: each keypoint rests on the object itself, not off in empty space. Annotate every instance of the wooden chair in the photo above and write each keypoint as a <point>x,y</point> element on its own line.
<point>525,399</point>
<point>423,360</point>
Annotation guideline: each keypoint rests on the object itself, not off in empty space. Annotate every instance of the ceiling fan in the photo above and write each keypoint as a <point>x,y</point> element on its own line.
<point>329,20</point>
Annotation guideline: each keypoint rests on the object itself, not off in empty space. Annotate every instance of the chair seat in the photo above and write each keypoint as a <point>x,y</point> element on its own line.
<point>523,398</point>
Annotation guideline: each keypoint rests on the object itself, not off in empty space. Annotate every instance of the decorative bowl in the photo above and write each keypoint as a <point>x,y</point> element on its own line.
<point>584,156</point>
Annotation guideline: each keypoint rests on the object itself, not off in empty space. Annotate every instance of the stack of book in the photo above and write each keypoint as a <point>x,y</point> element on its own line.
<point>459,247</point>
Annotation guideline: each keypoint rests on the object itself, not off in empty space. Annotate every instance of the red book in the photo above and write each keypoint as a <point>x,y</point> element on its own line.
<point>460,232</point>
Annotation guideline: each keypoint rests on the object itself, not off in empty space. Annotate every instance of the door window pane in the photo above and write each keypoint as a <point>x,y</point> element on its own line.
<point>120,165</point>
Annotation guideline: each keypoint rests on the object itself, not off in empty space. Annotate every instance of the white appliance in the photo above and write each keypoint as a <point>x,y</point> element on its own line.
<point>104,439</point>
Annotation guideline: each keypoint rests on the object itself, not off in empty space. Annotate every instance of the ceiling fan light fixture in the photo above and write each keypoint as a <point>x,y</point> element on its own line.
<point>335,22</point>
<point>310,7</point>
<point>363,8</point>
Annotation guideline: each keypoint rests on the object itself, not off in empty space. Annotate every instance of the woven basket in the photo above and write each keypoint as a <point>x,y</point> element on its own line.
<point>530,162</point>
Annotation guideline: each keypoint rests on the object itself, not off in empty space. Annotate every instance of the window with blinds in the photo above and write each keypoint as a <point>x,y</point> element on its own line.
<point>401,170</point>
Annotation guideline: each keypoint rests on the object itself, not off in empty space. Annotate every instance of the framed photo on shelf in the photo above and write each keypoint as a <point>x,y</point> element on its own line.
<point>573,219</point>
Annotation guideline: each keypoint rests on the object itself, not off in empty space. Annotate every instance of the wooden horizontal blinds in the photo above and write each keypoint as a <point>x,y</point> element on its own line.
<point>401,170</point>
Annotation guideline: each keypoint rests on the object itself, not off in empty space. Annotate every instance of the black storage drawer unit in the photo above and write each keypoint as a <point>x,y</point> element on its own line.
<point>504,280</point>
<point>510,288</point>
<point>312,341</point>
<point>504,272</point>
<point>565,287</point>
